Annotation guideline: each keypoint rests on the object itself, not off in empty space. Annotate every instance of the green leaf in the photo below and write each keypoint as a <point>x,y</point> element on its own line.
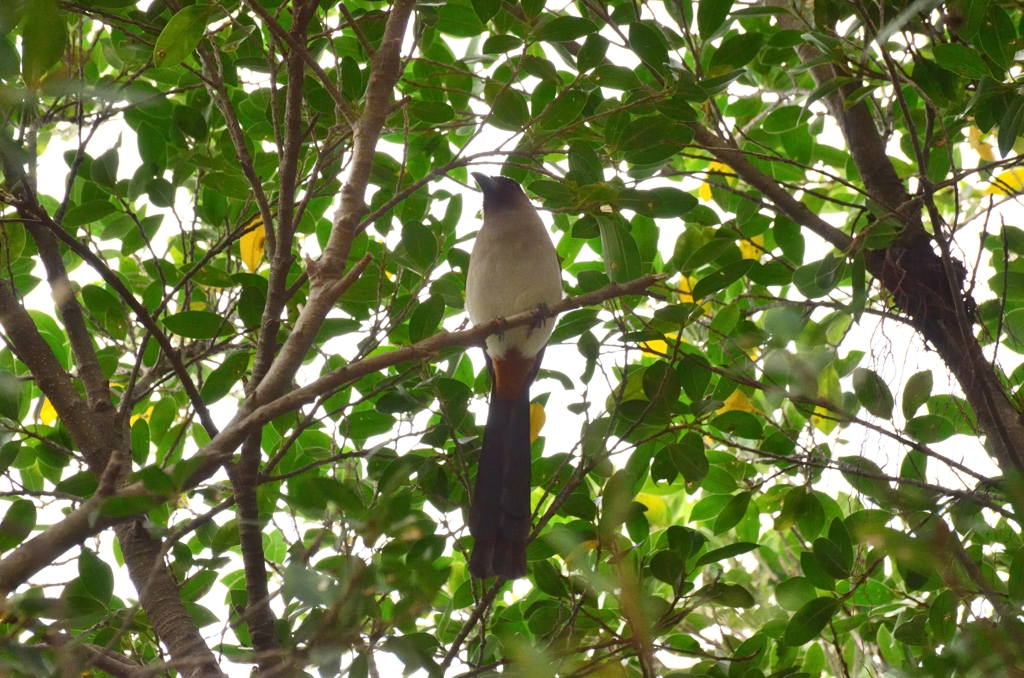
<point>431,112</point>
<point>912,632</point>
<point>711,15</point>
<point>103,169</point>
<point>499,44</point>
<point>181,36</point>
<point>795,592</point>
<point>584,163</point>
<point>722,278</point>
<point>91,211</point>
<point>548,579</point>
<point>198,585</point>
<point>17,524</point>
<point>812,570</point>
<point>648,44</point>
<point>739,423</point>
<point>873,393</point>
<point>362,425</point>
<point>830,558</point>
<point>562,111</point>
<point>615,77</point>
<point>1010,126</point>
<point>998,36</point>
<point>591,54</point>
<point>124,506</point>
<point>916,392</point>
<point>1015,583</point>
<point>689,458</point>
<point>426,318</point>
<point>736,52</point>
<point>82,484</point>
<point>10,396</point>
<point>673,202</point>
<point>793,506</point>
<point>152,147</point>
<point>44,37</point>
<point>972,14</point>
<point>667,566</point>
<point>730,551</point>
<point>942,617</point>
<point>961,60</point>
<point>486,9</point>
<point>199,325</point>
<point>420,244</point>
<point>459,19</point>
<point>564,29</point>
<point>509,111</point>
<point>97,576</point>
<point>199,614</point>
<point>930,428</point>
<point>810,620</point>
<point>140,441</point>
<point>732,514</point>
<point>621,254</point>
<point>220,382</point>
<point>730,595</point>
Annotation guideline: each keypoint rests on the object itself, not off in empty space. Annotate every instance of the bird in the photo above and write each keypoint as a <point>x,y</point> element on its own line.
<point>513,268</point>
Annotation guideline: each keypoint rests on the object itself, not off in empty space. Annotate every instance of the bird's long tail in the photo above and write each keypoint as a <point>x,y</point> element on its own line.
<point>499,517</point>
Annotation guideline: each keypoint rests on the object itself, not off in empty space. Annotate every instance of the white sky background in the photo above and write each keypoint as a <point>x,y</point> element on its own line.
<point>894,351</point>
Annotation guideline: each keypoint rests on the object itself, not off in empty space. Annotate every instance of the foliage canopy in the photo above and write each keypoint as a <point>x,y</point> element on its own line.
<point>243,395</point>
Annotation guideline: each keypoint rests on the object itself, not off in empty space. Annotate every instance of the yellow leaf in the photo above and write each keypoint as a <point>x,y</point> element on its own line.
<point>251,245</point>
<point>715,167</point>
<point>537,419</point>
<point>657,511</point>
<point>686,293</point>
<point>656,348</point>
<point>1007,183</point>
<point>145,415</point>
<point>824,420</point>
<point>737,401</point>
<point>197,306</point>
<point>47,414</point>
<point>686,289</point>
<point>659,348</point>
<point>981,147</point>
<point>753,248</point>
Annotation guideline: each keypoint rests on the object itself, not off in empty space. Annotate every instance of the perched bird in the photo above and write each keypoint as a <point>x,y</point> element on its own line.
<point>513,268</point>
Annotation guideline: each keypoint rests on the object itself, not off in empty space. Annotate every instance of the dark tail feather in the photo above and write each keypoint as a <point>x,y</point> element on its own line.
<point>499,518</point>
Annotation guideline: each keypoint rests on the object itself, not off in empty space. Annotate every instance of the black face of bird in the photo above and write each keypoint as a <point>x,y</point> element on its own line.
<point>501,193</point>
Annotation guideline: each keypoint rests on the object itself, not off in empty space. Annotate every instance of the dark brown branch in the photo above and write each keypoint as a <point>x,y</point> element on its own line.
<point>50,376</point>
<point>35,554</point>
<point>97,389</point>
<point>90,655</point>
<point>261,618</point>
<point>727,153</point>
<point>126,295</point>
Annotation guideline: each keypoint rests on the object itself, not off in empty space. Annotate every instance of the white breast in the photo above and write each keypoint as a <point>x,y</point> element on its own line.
<point>513,268</point>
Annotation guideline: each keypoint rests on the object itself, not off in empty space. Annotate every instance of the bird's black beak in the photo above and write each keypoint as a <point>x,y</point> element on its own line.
<point>485,182</point>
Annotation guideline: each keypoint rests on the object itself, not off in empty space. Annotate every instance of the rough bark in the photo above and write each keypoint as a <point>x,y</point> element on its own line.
<point>930,291</point>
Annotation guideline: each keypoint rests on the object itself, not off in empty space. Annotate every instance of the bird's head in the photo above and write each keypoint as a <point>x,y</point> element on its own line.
<point>501,194</point>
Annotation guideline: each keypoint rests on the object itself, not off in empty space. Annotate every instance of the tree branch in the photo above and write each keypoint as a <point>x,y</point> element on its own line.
<point>141,314</point>
<point>50,376</point>
<point>35,554</point>
<point>727,153</point>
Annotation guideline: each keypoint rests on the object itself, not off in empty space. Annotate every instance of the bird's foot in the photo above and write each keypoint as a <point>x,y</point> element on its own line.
<point>540,316</point>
